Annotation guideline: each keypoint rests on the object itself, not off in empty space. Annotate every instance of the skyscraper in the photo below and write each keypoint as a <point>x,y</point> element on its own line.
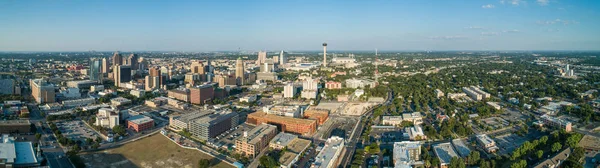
<point>95,69</point>
<point>104,65</point>
<point>42,91</point>
<point>133,61</point>
<point>239,71</point>
<point>262,57</point>
<point>324,54</point>
<point>117,59</point>
<point>282,57</point>
<point>197,67</point>
<point>123,74</point>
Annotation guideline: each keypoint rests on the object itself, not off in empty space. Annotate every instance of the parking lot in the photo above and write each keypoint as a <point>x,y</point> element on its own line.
<point>508,143</point>
<point>227,139</point>
<point>76,130</point>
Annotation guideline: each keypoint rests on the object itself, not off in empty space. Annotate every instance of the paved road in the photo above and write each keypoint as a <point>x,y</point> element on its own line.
<point>58,160</point>
<point>353,140</point>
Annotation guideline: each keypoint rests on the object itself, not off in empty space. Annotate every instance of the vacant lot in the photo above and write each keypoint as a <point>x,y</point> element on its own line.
<point>155,151</point>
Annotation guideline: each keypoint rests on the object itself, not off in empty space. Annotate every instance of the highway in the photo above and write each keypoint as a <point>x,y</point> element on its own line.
<point>353,141</point>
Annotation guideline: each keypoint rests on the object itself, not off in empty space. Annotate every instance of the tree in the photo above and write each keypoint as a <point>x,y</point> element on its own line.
<point>473,157</point>
<point>98,139</point>
<point>38,136</point>
<point>204,163</point>
<point>268,162</point>
<point>119,129</point>
<point>435,162</point>
<point>556,147</point>
<point>457,162</point>
<point>519,164</point>
<point>539,154</point>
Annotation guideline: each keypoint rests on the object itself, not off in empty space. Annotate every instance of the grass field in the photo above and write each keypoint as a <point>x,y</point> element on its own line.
<point>155,151</point>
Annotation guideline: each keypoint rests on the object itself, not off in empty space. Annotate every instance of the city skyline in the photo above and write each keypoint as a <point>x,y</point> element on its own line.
<point>300,26</point>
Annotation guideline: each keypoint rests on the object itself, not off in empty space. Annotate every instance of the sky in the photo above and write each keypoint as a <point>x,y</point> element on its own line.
<point>294,25</point>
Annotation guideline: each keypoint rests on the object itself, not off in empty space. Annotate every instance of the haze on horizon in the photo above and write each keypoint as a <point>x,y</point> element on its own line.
<point>299,25</point>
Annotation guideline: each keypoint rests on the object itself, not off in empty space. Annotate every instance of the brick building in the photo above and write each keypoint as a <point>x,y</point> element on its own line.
<point>286,124</point>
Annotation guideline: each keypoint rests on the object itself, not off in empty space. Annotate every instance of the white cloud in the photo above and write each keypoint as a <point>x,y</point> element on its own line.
<point>511,31</point>
<point>474,27</point>
<point>447,37</point>
<point>513,2</point>
<point>543,2</point>
<point>557,21</point>
<point>490,33</point>
<point>488,6</point>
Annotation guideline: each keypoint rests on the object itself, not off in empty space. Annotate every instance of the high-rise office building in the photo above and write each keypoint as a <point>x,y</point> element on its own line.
<point>262,57</point>
<point>104,66</point>
<point>201,94</point>
<point>282,57</point>
<point>289,90</point>
<point>132,61</point>
<point>95,69</point>
<point>239,71</point>
<point>324,54</point>
<point>210,126</point>
<point>123,74</point>
<point>197,67</point>
<point>117,59</point>
<point>42,91</point>
<point>156,72</point>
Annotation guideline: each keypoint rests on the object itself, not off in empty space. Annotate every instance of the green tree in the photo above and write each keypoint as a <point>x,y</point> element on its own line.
<point>119,129</point>
<point>540,154</point>
<point>38,136</point>
<point>268,162</point>
<point>204,163</point>
<point>473,157</point>
<point>556,147</point>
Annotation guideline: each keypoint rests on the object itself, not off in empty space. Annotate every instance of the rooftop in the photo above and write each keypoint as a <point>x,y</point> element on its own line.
<point>461,148</point>
<point>298,145</point>
<point>401,153</point>
<point>287,158</point>
<point>283,138</point>
<point>327,154</point>
<point>287,120</point>
<point>589,142</point>
<point>255,135</point>
<point>140,119</point>
<point>214,118</point>
<point>14,122</point>
<point>483,138</point>
<point>445,152</point>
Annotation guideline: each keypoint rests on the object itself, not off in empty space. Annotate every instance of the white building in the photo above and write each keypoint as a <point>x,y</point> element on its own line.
<point>415,133</point>
<point>406,154</point>
<point>415,117</point>
<point>137,93</point>
<point>248,98</point>
<point>107,118</point>
<point>283,110</point>
<point>439,93</point>
<point>445,152</point>
<point>289,90</point>
<point>70,93</point>
<point>360,83</point>
<point>78,102</point>
<point>329,156</point>
<point>486,143</point>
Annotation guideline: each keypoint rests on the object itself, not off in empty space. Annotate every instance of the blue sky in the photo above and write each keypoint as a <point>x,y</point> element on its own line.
<point>154,25</point>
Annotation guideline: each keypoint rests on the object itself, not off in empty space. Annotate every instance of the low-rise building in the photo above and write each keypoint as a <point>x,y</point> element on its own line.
<point>281,140</point>
<point>140,123</point>
<point>495,105</point>
<point>461,147</point>
<point>18,154</point>
<point>120,101</point>
<point>249,98</point>
<point>445,152</point>
<point>15,126</point>
<point>294,150</point>
<point>138,93</point>
<point>287,124</point>
<point>556,122</point>
<point>333,85</point>
<point>320,115</point>
<point>438,93</point>
<point>182,94</point>
<point>360,83</point>
<point>78,102</point>
<point>556,160</point>
<point>486,143</point>
<point>283,110</point>
<point>253,141</point>
<point>107,118</point>
<point>407,154</point>
<point>415,133</point>
<point>415,117</point>
<point>329,156</point>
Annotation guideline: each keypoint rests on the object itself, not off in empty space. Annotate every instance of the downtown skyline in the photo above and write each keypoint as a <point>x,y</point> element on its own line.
<point>299,25</point>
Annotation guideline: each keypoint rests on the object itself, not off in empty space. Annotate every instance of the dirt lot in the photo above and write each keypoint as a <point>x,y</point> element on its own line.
<point>154,151</point>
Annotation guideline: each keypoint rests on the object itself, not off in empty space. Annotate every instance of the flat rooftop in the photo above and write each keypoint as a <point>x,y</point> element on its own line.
<point>483,138</point>
<point>444,152</point>
<point>287,158</point>
<point>461,148</point>
<point>298,145</point>
<point>140,119</point>
<point>286,120</point>
<point>256,134</point>
<point>283,138</point>
<point>327,154</point>
<point>14,122</point>
<point>401,152</point>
